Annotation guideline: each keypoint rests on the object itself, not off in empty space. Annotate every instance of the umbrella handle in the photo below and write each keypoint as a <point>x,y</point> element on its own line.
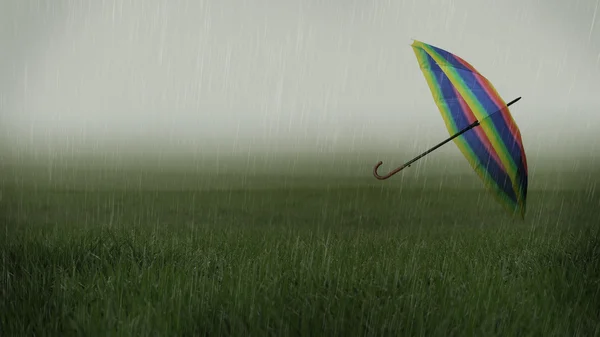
<point>380,177</point>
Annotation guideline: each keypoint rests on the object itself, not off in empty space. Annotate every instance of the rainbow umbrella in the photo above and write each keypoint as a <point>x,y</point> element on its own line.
<point>479,122</point>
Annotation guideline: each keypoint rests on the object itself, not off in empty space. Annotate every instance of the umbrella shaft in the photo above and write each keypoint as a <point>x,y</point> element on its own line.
<point>472,125</point>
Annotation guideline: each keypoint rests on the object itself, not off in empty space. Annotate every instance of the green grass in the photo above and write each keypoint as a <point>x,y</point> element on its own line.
<point>138,253</point>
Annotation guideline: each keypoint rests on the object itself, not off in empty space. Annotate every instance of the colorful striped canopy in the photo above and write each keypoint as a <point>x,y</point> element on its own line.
<point>494,149</point>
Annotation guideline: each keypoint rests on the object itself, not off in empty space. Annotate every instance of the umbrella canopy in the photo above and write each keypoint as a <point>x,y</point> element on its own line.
<point>493,144</point>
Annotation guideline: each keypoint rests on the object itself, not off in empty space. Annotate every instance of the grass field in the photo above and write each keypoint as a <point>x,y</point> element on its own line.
<point>114,252</point>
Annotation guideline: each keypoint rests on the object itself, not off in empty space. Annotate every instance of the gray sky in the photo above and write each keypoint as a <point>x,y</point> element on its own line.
<point>302,73</point>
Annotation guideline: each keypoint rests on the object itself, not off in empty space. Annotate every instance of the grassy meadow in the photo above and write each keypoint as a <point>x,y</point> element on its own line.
<point>118,250</point>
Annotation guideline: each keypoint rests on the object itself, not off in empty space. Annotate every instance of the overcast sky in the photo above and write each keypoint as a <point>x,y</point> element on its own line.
<point>192,72</point>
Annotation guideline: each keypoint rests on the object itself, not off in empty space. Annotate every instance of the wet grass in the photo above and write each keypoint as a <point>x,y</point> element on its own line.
<point>303,256</point>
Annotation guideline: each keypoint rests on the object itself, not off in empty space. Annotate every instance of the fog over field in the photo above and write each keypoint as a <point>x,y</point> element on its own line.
<point>242,77</point>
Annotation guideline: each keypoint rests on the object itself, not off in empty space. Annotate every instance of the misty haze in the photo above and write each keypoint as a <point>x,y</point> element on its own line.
<point>292,76</point>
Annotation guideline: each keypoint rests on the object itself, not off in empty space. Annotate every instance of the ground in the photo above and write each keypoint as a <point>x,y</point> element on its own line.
<point>139,253</point>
